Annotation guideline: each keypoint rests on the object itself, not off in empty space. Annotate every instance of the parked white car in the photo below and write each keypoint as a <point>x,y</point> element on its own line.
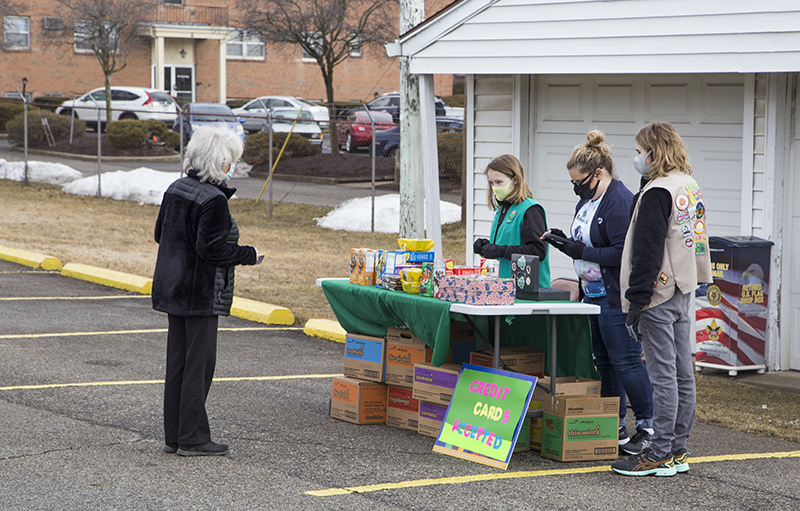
<point>254,112</point>
<point>126,102</point>
<point>306,126</point>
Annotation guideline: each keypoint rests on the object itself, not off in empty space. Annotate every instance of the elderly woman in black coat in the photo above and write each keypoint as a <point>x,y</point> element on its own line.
<point>193,283</point>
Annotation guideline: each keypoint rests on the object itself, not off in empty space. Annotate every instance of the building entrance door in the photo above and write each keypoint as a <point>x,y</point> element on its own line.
<point>179,81</point>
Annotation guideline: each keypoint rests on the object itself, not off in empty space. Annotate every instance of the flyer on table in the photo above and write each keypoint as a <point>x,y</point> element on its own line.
<point>484,416</point>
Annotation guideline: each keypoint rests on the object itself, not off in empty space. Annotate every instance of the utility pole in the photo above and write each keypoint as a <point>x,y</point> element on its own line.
<point>412,190</point>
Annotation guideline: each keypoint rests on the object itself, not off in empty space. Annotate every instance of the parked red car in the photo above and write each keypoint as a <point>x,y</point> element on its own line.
<point>356,131</point>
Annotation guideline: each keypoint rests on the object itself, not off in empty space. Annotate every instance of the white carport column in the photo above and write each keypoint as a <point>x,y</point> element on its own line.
<point>412,191</point>
<point>159,65</point>
<point>223,71</point>
<point>430,161</point>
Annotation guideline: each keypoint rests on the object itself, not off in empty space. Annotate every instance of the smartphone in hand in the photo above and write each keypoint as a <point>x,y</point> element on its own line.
<point>554,239</point>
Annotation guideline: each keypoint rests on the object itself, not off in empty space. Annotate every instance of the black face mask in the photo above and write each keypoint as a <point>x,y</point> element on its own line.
<point>582,189</point>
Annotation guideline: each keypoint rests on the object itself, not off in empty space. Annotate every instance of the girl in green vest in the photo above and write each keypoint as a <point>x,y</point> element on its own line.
<point>519,220</point>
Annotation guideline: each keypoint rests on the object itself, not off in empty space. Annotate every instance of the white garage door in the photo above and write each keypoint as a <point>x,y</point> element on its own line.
<point>707,111</point>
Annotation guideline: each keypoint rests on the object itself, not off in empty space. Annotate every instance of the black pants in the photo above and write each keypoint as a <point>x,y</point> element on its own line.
<point>191,359</point>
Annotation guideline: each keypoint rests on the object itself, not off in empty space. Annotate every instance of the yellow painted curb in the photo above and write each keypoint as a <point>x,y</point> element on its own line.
<point>28,258</point>
<point>261,312</point>
<point>109,278</point>
<point>325,329</point>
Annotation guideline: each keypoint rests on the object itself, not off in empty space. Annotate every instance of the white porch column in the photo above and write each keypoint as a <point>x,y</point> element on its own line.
<point>223,73</point>
<point>430,162</point>
<point>159,65</point>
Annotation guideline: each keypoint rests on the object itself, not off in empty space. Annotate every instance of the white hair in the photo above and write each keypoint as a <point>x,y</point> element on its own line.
<point>212,149</point>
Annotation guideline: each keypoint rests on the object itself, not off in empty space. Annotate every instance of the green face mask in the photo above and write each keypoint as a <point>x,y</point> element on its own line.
<point>501,192</point>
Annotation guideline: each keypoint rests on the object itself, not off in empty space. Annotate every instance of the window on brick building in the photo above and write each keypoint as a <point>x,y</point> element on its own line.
<point>355,48</point>
<point>174,2</point>
<point>313,38</point>
<point>85,34</point>
<point>17,32</point>
<point>244,44</point>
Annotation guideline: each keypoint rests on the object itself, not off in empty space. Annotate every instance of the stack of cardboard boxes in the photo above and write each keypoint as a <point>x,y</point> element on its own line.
<point>391,381</point>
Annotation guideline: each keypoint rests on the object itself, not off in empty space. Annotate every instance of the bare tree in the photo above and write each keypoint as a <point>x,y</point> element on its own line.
<point>327,31</point>
<point>109,29</point>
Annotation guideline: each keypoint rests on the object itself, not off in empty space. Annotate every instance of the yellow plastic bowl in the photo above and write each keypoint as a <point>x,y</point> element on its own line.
<point>410,287</point>
<point>414,245</point>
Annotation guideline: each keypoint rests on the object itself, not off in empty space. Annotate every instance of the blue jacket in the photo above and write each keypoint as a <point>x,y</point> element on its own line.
<point>608,230</point>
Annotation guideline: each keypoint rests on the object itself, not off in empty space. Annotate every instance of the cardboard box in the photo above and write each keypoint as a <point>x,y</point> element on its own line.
<point>524,438</point>
<point>462,342</point>
<point>358,401</point>
<point>522,359</point>
<point>431,417</point>
<point>403,350</point>
<point>364,357</point>
<point>402,410</point>
<point>435,384</point>
<point>580,428</point>
<point>565,385</point>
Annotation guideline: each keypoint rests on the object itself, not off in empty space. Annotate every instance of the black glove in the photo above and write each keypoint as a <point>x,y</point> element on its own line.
<point>573,248</point>
<point>492,251</point>
<point>559,232</point>
<point>632,321</point>
<point>477,247</point>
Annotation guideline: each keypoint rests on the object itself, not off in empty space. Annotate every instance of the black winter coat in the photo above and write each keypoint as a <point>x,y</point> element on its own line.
<point>197,250</point>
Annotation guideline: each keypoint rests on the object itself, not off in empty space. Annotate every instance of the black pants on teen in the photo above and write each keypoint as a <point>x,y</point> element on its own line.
<point>191,359</point>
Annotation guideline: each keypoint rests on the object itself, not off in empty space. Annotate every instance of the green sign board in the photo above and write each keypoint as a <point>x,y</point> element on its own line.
<point>485,415</point>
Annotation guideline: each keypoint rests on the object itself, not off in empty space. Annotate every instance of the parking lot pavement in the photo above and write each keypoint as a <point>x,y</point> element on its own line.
<point>81,369</point>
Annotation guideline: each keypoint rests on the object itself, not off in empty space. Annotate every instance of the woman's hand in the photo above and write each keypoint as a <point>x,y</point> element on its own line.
<point>492,251</point>
<point>477,247</point>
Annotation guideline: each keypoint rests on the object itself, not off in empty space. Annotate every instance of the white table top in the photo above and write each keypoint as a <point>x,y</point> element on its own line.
<point>532,308</point>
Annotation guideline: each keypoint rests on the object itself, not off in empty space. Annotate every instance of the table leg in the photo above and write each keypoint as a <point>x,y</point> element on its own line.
<point>496,354</point>
<point>553,347</point>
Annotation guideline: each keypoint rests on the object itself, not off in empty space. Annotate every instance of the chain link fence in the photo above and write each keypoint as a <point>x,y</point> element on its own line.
<point>297,171</point>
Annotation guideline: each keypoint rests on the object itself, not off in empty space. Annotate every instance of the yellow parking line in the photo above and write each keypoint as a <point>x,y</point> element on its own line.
<point>113,297</point>
<point>530,473</point>
<point>156,382</point>
<point>143,331</point>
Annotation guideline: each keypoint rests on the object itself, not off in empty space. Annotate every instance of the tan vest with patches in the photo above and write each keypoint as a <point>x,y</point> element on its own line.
<point>687,259</point>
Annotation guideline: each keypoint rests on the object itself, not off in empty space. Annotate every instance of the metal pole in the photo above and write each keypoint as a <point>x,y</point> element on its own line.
<point>180,120</point>
<point>372,123</point>
<point>270,162</point>
<point>99,150</point>
<point>25,127</point>
<point>72,120</point>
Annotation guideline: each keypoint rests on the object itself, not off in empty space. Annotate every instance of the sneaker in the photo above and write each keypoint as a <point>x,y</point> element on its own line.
<point>644,465</point>
<point>206,449</point>
<point>625,444</point>
<point>170,448</point>
<point>681,461</point>
<point>642,437</point>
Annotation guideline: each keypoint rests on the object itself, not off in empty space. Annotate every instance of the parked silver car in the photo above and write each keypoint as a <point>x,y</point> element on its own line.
<point>306,126</point>
<point>254,112</point>
<point>126,102</point>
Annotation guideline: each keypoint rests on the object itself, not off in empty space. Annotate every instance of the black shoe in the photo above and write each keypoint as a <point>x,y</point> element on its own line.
<point>626,445</point>
<point>170,448</point>
<point>206,449</point>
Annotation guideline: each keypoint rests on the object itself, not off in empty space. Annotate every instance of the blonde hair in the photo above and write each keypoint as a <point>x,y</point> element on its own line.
<point>669,151</point>
<point>510,166</point>
<point>591,155</point>
<point>211,149</point>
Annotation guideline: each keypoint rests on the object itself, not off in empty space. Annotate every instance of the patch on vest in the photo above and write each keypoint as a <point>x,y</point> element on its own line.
<point>663,278</point>
<point>681,201</point>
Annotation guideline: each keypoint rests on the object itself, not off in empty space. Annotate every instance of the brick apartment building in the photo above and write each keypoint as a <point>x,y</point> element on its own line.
<point>194,51</point>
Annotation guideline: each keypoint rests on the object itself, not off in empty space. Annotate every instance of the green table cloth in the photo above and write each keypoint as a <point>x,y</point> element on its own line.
<point>369,310</point>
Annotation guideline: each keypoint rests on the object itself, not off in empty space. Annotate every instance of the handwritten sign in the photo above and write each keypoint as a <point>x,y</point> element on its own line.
<point>485,415</point>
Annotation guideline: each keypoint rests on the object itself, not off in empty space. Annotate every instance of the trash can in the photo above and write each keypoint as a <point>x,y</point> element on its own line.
<point>731,316</point>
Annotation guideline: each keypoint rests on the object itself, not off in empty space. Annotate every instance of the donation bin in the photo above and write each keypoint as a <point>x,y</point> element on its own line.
<point>731,318</point>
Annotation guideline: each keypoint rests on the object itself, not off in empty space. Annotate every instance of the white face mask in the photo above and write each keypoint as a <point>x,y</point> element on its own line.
<point>640,165</point>
<point>230,171</point>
